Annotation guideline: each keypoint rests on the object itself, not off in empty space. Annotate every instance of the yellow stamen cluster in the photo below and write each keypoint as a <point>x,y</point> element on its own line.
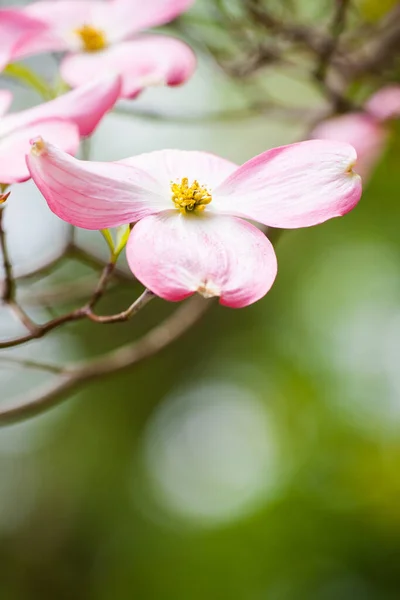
<point>190,199</point>
<point>92,39</point>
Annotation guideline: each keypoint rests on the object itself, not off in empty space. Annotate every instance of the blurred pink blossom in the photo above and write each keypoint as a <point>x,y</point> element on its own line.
<point>101,36</point>
<point>368,131</point>
<point>63,120</point>
<point>189,208</point>
<point>17,32</point>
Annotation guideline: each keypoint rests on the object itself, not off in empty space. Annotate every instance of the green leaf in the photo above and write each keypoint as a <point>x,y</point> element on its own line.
<point>110,242</point>
<point>122,237</point>
<point>30,78</point>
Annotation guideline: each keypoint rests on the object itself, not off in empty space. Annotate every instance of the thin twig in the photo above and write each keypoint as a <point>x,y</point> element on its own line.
<point>331,89</point>
<point>379,54</point>
<point>30,364</point>
<point>64,293</point>
<point>42,330</point>
<point>336,29</point>
<point>72,378</point>
<point>22,316</point>
<point>8,292</point>
<point>126,314</point>
<point>9,286</point>
<point>101,285</point>
<point>313,40</point>
<point>72,251</point>
<point>201,117</point>
<point>39,331</point>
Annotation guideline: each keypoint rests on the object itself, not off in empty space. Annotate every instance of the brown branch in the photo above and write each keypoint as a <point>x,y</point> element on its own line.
<point>41,330</point>
<point>313,40</point>
<point>9,285</point>
<point>336,29</point>
<point>8,291</point>
<point>38,331</point>
<point>85,312</point>
<point>113,362</point>
<point>126,314</point>
<point>30,364</point>
<point>22,316</point>
<point>101,285</point>
<point>63,293</point>
<point>235,114</point>
<point>71,251</point>
<point>379,53</point>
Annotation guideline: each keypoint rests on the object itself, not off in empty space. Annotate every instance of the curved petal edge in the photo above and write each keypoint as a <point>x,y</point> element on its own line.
<point>176,256</point>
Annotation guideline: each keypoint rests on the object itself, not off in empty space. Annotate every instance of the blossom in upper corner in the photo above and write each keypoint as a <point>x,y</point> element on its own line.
<point>63,120</point>
<point>17,32</point>
<point>368,130</point>
<point>101,36</point>
<point>190,209</point>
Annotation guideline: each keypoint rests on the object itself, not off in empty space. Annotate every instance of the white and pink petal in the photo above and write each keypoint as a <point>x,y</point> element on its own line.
<point>15,147</point>
<point>17,32</point>
<point>147,61</point>
<point>175,256</point>
<point>385,103</point>
<point>171,166</point>
<point>86,106</point>
<point>363,132</point>
<point>93,195</point>
<point>62,18</point>
<point>128,17</point>
<point>6,98</point>
<point>293,186</point>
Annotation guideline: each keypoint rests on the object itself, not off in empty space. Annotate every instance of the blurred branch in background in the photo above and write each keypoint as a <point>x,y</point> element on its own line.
<point>256,36</point>
<point>72,377</point>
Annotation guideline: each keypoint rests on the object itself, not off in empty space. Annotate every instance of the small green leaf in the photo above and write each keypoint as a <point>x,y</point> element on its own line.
<point>110,242</point>
<point>30,78</point>
<point>122,237</point>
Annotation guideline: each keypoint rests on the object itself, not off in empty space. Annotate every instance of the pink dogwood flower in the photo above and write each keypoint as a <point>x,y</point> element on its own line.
<point>101,36</point>
<point>368,131</point>
<point>17,32</point>
<point>190,208</point>
<point>63,120</point>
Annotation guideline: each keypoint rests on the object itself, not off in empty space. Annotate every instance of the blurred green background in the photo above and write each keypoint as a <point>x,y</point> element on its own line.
<point>258,457</point>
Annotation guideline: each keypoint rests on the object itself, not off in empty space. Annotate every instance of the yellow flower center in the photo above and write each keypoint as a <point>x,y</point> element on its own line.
<point>190,199</point>
<point>93,39</point>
